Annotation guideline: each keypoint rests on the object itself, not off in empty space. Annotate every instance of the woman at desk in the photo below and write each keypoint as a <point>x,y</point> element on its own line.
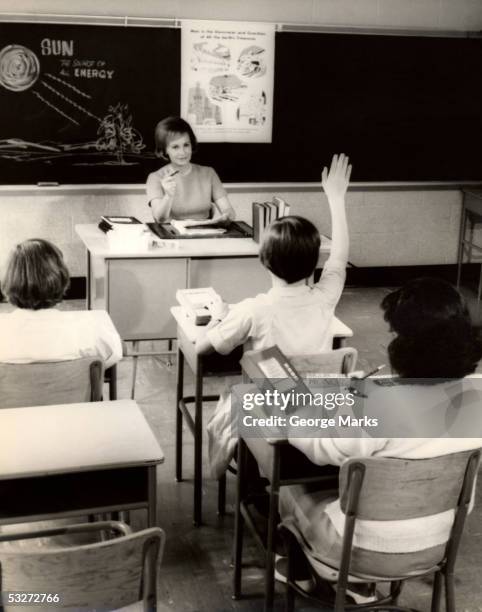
<point>180,189</point>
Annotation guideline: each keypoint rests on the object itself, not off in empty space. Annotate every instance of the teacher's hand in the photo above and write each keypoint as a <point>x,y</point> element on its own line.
<point>169,185</point>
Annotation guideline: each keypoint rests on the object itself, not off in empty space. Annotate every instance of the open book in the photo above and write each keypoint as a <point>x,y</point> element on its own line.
<point>197,227</point>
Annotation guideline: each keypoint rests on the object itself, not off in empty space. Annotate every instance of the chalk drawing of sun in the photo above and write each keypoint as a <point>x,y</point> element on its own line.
<point>20,70</point>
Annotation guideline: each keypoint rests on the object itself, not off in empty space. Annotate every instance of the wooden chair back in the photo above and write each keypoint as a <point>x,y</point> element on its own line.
<point>101,576</point>
<point>395,489</point>
<point>339,361</point>
<point>53,382</point>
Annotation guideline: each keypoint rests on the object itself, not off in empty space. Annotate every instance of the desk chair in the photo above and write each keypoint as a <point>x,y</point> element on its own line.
<point>52,382</point>
<point>104,575</point>
<point>386,489</point>
<point>283,465</point>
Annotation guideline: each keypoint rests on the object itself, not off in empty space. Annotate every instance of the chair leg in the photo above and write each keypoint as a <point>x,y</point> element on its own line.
<point>449,593</point>
<point>479,288</point>
<point>239,520</point>
<point>222,495</point>
<point>394,591</point>
<point>437,592</point>
<point>289,544</point>
<point>135,348</point>
<point>112,381</point>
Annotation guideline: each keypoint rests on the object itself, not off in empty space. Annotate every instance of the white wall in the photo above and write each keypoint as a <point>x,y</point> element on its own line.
<point>387,227</point>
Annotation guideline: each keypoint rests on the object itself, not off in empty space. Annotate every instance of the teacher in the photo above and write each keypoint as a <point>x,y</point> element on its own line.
<point>180,189</point>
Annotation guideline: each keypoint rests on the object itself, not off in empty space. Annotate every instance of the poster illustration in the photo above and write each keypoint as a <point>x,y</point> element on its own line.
<point>227,74</point>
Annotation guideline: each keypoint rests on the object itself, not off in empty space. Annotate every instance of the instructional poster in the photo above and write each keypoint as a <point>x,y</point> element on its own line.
<point>227,74</point>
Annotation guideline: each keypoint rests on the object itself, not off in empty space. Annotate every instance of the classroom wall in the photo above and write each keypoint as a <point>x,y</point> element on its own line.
<point>388,228</point>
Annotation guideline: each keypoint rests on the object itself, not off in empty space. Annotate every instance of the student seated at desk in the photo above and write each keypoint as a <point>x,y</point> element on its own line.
<point>182,190</point>
<point>435,341</point>
<point>292,314</point>
<point>35,282</point>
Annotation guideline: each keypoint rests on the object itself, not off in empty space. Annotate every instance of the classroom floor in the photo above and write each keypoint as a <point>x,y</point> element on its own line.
<point>196,575</point>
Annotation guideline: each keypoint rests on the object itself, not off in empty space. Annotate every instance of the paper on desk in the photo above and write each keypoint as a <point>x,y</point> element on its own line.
<point>184,227</point>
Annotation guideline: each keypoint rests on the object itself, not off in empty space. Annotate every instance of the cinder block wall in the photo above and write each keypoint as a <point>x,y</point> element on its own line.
<point>387,228</point>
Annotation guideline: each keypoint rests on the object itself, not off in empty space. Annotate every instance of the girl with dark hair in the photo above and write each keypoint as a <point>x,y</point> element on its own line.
<point>435,343</point>
<point>35,281</point>
<point>294,315</point>
<point>435,336</point>
<point>180,189</point>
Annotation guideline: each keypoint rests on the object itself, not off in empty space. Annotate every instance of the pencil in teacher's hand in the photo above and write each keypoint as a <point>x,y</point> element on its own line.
<point>174,173</point>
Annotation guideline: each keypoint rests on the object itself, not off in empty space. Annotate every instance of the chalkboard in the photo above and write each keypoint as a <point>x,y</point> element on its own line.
<point>79,104</point>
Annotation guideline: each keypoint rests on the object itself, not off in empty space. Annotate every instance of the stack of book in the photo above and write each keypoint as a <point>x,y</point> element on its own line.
<point>265,213</point>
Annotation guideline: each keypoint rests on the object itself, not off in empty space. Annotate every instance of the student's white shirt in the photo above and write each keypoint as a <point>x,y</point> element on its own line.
<point>296,318</point>
<point>49,334</point>
<point>448,418</point>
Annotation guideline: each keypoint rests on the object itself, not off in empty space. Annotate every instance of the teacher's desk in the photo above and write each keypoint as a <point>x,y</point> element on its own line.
<point>138,288</point>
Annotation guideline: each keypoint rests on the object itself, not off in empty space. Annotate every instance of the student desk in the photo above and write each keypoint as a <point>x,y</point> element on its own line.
<point>201,366</point>
<point>137,288</point>
<point>282,464</point>
<point>76,459</point>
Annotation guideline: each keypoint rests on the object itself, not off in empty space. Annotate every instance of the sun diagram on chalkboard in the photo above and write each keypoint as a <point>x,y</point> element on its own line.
<point>20,71</point>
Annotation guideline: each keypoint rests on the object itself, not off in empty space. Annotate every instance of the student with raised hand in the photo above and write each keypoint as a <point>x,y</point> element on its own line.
<point>292,314</point>
<point>35,281</point>
<point>181,189</point>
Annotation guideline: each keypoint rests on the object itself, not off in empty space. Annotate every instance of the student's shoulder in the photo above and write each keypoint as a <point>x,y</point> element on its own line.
<point>252,305</point>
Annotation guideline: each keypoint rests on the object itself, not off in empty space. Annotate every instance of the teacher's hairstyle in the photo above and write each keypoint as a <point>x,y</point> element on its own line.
<point>167,130</point>
<point>36,275</point>
<point>435,337</point>
<point>290,248</point>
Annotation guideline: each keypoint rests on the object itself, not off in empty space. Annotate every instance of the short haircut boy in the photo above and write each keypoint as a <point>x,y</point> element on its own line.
<point>36,275</point>
<point>167,129</point>
<point>290,248</point>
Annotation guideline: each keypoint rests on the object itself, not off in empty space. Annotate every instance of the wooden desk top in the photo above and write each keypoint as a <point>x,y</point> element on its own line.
<point>339,329</point>
<point>96,243</point>
<point>43,440</point>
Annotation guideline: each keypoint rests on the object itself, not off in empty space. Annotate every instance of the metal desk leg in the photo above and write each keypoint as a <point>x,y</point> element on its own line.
<point>271,535</point>
<point>198,444</point>
<point>179,419</point>
<point>238,518</point>
<point>460,255</point>
<point>152,496</point>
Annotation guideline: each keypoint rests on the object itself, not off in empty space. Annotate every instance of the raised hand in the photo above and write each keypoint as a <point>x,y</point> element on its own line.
<point>335,180</point>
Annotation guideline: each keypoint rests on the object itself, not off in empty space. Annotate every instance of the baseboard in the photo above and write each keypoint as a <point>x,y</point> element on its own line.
<point>395,276</point>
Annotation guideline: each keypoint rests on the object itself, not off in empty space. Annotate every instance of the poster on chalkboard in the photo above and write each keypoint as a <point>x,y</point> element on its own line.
<point>227,70</point>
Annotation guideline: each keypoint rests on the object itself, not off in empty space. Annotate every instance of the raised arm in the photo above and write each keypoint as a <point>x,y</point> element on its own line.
<point>335,183</point>
<point>160,194</point>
